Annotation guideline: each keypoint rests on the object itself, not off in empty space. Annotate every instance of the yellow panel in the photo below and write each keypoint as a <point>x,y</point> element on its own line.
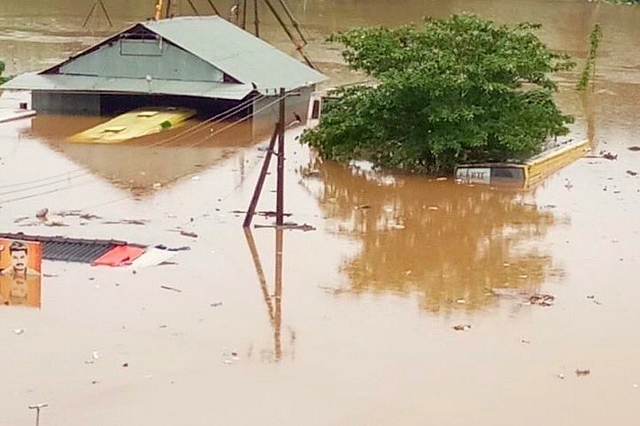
<point>147,113</point>
<point>134,124</point>
<point>552,160</point>
<point>535,169</point>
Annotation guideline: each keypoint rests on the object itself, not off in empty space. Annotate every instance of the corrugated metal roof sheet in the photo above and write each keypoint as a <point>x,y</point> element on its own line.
<point>69,249</point>
<point>236,52</point>
<point>83,83</point>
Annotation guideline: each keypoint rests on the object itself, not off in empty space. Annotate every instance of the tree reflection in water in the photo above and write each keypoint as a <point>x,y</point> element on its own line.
<point>451,244</point>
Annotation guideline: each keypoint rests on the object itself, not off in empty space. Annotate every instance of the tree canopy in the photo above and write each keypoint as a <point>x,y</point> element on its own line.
<point>450,90</point>
<point>2,79</point>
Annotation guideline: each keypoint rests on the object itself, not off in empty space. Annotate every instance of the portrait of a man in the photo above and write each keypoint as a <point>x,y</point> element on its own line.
<point>19,261</point>
<point>20,266</point>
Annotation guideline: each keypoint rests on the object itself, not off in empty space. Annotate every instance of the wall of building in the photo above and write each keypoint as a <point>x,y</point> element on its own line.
<point>113,104</point>
<point>131,58</point>
<point>266,111</point>
<point>66,103</point>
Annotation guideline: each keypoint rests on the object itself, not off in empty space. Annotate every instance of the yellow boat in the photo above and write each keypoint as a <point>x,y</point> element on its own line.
<point>526,173</point>
<point>134,124</point>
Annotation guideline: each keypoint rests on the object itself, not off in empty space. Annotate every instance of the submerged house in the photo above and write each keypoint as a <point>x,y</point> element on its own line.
<point>203,63</point>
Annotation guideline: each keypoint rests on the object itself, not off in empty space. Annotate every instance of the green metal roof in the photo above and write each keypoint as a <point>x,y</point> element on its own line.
<point>254,63</point>
<point>82,83</point>
<point>236,52</point>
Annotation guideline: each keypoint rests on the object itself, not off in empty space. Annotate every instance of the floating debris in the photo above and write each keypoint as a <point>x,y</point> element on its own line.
<point>54,223</point>
<point>568,184</point>
<point>189,234</point>
<point>462,327</point>
<point>77,213</point>
<point>634,148</point>
<point>632,173</point>
<point>230,357</point>
<point>163,247</point>
<point>541,299</point>
<point>42,213</point>
<point>166,287</point>
<point>581,373</point>
<point>125,222</point>
<point>93,359</point>
<point>608,156</point>
<point>18,331</point>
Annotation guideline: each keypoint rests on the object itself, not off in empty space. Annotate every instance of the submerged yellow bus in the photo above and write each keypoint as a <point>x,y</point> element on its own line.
<point>134,124</point>
<point>526,173</point>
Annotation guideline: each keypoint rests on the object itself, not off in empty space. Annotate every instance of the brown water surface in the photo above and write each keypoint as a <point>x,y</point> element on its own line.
<point>350,324</point>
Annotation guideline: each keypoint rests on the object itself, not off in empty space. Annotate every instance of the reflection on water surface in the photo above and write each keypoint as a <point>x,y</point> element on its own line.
<point>451,244</point>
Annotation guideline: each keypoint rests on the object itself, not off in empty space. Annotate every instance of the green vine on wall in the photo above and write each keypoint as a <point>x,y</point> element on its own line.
<point>590,65</point>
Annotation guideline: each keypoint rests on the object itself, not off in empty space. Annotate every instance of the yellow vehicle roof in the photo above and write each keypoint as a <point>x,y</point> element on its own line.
<point>134,124</point>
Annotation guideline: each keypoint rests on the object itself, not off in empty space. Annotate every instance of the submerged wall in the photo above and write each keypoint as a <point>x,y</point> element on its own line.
<point>266,110</point>
<point>65,103</point>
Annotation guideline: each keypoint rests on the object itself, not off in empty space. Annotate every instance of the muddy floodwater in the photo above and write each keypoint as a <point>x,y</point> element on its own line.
<point>351,323</point>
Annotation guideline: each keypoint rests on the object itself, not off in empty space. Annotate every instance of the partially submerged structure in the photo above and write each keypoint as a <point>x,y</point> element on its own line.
<point>523,174</point>
<point>203,63</point>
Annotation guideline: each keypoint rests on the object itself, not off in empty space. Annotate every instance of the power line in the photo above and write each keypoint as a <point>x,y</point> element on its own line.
<point>88,172</point>
<point>212,120</point>
<point>13,185</point>
<point>237,121</point>
<point>39,194</point>
<point>13,191</point>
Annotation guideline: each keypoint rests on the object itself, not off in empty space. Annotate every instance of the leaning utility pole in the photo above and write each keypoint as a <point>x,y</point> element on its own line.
<point>93,8</point>
<point>280,177</point>
<point>263,175</point>
<point>256,19</point>
<point>278,136</point>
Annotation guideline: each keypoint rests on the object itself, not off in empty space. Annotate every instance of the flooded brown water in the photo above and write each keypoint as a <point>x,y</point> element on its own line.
<point>356,325</point>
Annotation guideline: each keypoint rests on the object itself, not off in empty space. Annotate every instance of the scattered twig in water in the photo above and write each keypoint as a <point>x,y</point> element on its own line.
<point>462,327</point>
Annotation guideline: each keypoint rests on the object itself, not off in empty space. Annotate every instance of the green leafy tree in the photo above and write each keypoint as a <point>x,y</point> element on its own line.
<point>2,79</point>
<point>459,89</point>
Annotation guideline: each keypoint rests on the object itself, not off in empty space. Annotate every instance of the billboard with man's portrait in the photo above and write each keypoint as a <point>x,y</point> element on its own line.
<point>20,266</point>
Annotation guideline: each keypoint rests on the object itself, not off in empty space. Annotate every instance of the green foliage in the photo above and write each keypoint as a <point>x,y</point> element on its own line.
<point>3,79</point>
<point>460,89</point>
<point>590,65</point>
